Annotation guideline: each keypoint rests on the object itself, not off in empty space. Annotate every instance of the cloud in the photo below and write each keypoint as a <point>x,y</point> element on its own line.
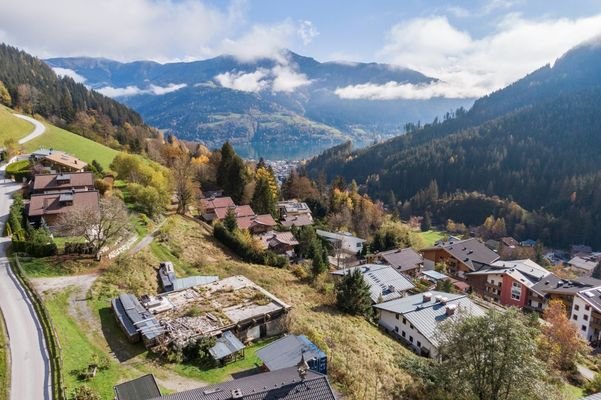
<point>261,41</point>
<point>394,90</point>
<point>477,66</point>
<point>246,82</point>
<point>287,80</point>
<point>135,90</point>
<point>307,32</point>
<point>70,73</point>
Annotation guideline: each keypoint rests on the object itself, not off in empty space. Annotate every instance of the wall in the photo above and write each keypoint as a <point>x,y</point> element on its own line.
<point>580,317</point>
<point>506,290</point>
<point>389,322</point>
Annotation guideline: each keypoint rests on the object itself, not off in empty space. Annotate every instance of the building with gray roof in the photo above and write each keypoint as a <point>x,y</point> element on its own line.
<point>136,321</point>
<point>227,347</point>
<point>415,319</point>
<point>385,283</point>
<point>461,256</point>
<point>407,260</point>
<point>288,351</point>
<point>142,388</point>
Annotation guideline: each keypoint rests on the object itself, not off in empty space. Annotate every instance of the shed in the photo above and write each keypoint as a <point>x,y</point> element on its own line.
<point>227,347</point>
<point>288,351</point>
<point>142,388</point>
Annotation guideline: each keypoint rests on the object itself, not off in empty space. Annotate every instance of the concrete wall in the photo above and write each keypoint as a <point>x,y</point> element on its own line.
<point>388,320</point>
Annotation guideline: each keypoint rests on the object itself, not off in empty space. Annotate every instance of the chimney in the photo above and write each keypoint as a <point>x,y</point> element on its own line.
<point>237,394</point>
<point>438,298</point>
<point>444,300</point>
<point>427,297</point>
<point>450,309</point>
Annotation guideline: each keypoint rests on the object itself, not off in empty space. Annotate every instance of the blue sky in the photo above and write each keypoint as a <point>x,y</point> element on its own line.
<point>473,47</point>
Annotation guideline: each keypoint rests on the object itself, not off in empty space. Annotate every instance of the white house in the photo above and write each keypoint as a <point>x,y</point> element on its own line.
<point>385,283</point>
<point>345,241</point>
<point>415,319</point>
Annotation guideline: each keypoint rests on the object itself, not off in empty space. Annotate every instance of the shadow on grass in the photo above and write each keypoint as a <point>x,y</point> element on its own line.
<point>121,348</point>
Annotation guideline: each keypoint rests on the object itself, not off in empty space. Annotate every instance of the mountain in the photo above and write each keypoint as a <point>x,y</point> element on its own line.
<point>291,99</point>
<point>34,88</point>
<point>535,142</point>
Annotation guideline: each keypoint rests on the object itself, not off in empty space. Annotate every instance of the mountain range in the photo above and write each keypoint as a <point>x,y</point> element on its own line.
<point>535,143</point>
<point>287,100</point>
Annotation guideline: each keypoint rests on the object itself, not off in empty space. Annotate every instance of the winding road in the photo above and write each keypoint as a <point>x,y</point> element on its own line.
<point>30,366</point>
<point>38,130</point>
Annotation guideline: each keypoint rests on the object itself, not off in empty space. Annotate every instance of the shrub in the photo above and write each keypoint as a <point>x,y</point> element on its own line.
<point>19,170</point>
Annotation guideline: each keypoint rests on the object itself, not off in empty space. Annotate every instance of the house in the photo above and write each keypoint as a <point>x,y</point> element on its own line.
<point>40,153</point>
<point>434,276</point>
<point>407,261</point>
<point>586,265</point>
<point>344,242</point>
<point>63,182</point>
<point>233,304</point>
<point>596,396</point>
<point>170,282</point>
<point>295,383</point>
<point>384,282</point>
<point>142,388</point>
<point>279,242</point>
<point>414,319</point>
<point>209,205</point>
<point>580,250</point>
<point>50,207</point>
<point>256,224</point>
<point>289,351</point>
<point>461,257</point>
<point>294,213</point>
<point>511,283</point>
<point>239,212</point>
<point>509,242</point>
<point>63,162</point>
<point>136,322</point>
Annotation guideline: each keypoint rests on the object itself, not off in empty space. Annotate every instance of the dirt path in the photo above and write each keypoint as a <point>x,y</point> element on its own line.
<point>146,240</point>
<point>38,128</point>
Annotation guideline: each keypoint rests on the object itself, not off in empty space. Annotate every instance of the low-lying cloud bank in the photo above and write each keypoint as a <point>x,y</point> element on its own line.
<point>281,78</point>
<point>394,90</point>
<point>134,90</point>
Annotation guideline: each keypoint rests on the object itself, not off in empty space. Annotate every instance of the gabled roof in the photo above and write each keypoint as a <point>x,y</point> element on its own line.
<point>437,276</point>
<point>582,263</point>
<point>142,388</point>
<point>225,346</point>
<point>384,281</point>
<point>592,297</point>
<point>509,241</point>
<point>345,237</point>
<point>553,284</point>
<point>297,220</point>
<point>596,396</point>
<point>66,160</point>
<point>62,181</point>
<point>287,352</point>
<point>246,222</point>
<point>272,239</point>
<point>402,259</point>
<point>471,252</point>
<point>425,316</point>
<point>239,211</point>
<point>217,202</point>
<point>525,266</point>
<point>283,384</point>
<point>47,204</point>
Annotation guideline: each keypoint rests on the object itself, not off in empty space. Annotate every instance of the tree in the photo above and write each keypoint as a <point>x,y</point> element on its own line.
<point>490,357</point>
<point>98,225</point>
<point>353,294</point>
<point>5,95</point>
<point>266,194</point>
<point>560,342</point>
<point>182,173</point>
<point>229,222</point>
<point>84,392</point>
<point>538,253</point>
<point>426,221</point>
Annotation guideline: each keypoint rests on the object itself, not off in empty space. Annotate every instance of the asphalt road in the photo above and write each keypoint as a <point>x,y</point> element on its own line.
<point>38,130</point>
<point>30,367</point>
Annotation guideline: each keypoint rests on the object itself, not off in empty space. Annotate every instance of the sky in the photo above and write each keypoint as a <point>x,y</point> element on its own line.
<point>473,47</point>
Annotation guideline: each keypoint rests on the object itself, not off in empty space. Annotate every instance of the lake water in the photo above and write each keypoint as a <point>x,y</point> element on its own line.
<point>281,151</point>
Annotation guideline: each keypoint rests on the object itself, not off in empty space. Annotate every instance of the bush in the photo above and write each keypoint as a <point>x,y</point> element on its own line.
<point>19,170</point>
<point>246,251</point>
<point>35,249</point>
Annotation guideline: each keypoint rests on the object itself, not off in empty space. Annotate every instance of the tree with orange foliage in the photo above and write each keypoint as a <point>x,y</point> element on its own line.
<point>561,343</point>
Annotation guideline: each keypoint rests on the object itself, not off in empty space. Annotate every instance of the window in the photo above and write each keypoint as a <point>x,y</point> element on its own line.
<point>396,329</point>
<point>576,307</point>
<point>587,307</point>
<point>396,316</point>
<point>583,327</point>
<point>575,317</point>
<point>516,290</point>
<point>358,244</point>
<point>411,339</point>
<point>419,344</point>
<point>585,317</point>
<point>404,321</point>
<point>411,326</point>
<point>403,334</point>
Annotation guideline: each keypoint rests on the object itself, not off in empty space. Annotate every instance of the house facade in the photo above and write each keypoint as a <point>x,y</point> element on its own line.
<point>460,257</point>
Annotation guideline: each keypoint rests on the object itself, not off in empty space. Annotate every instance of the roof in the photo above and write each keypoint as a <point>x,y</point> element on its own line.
<point>297,220</point>
<point>592,297</point>
<point>294,206</point>
<point>283,384</point>
<point>217,202</point>
<point>226,345</point>
<point>525,266</point>
<point>553,284</point>
<point>509,241</point>
<point>582,263</point>
<point>345,237</point>
<point>596,396</point>
<point>403,259</point>
<point>142,388</point>
<point>191,281</point>
<point>134,317</point>
<point>46,204</point>
<point>65,160</point>
<point>426,315</point>
<point>272,239</point>
<point>239,211</point>
<point>44,182</point>
<point>384,281</point>
<point>287,352</point>
<point>246,222</point>
<point>435,275</point>
<point>471,252</point>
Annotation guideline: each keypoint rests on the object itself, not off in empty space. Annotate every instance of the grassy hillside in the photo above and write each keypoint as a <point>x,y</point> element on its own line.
<point>12,127</point>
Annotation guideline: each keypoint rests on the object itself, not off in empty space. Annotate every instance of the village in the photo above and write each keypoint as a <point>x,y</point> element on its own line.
<point>411,291</point>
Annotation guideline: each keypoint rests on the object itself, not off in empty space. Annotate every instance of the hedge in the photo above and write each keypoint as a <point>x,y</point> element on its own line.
<point>246,252</point>
<point>35,249</point>
<point>19,170</point>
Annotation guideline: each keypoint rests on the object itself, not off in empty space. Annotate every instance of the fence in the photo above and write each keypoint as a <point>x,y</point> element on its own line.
<point>50,337</point>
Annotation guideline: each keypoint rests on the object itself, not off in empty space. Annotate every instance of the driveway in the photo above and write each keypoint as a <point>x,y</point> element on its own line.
<point>30,367</point>
<point>38,130</point>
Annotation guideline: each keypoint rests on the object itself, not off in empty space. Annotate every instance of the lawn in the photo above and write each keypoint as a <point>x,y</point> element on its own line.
<point>12,127</point>
<point>83,148</point>
<point>4,361</point>
<point>431,237</point>
<point>47,267</point>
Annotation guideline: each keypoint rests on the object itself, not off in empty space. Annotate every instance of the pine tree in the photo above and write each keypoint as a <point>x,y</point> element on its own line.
<point>353,294</point>
<point>229,222</point>
<point>426,222</point>
<point>265,197</point>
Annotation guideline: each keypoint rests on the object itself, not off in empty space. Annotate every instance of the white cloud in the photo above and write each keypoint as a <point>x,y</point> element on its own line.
<point>247,82</point>
<point>287,80</point>
<point>70,73</point>
<point>135,90</point>
<point>261,41</point>
<point>395,90</point>
<point>476,66</point>
<point>307,32</point>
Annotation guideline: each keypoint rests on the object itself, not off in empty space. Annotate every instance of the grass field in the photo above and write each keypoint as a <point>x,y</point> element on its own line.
<point>12,127</point>
<point>430,237</point>
<point>4,361</point>
<point>85,149</point>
